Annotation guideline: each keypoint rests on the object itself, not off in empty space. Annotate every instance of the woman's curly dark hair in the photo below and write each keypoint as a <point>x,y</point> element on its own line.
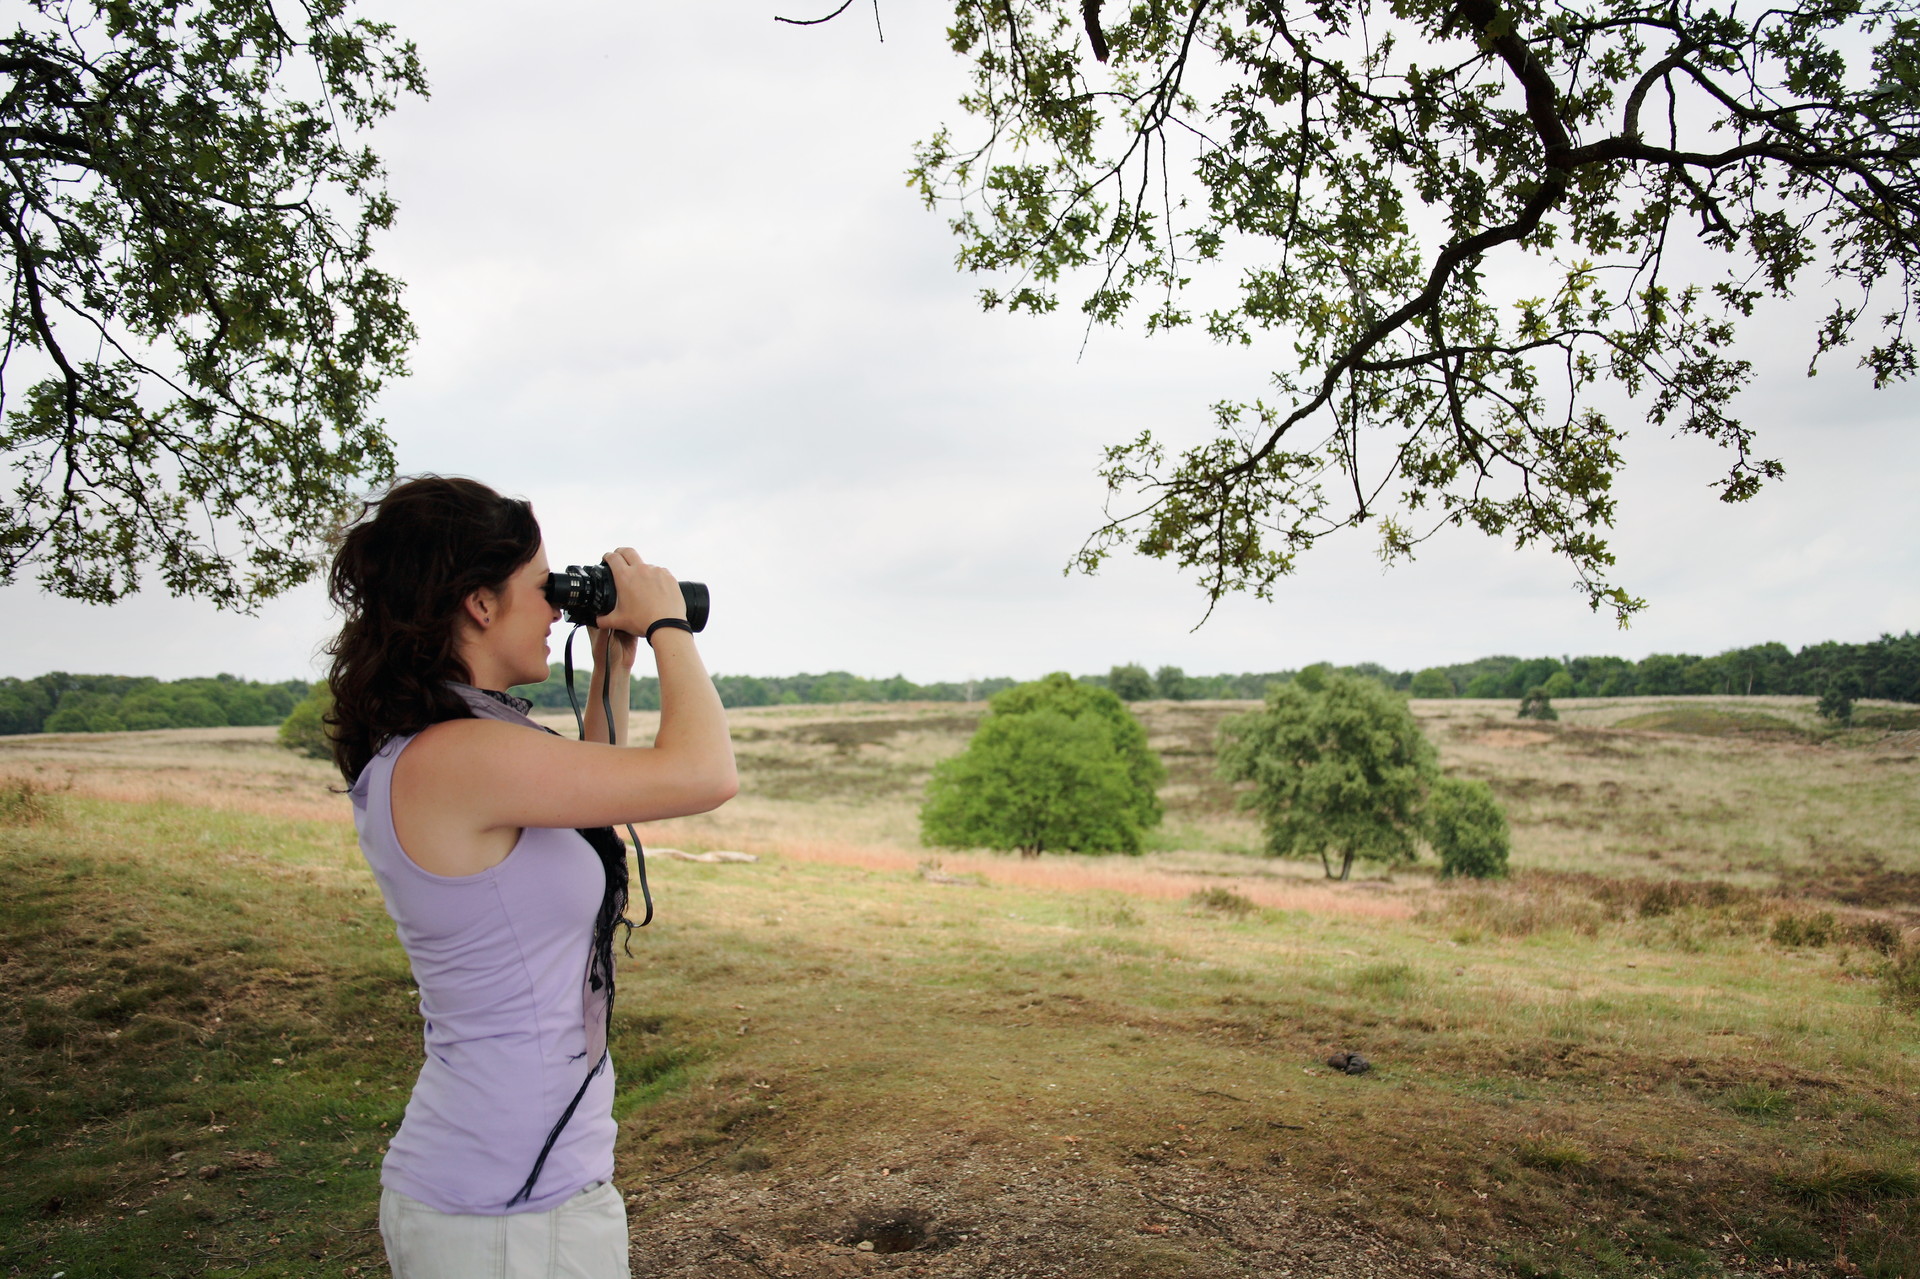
<point>399,577</point>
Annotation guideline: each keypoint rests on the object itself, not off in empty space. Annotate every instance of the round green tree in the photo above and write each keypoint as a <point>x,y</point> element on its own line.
<point>1467,829</point>
<point>1131,683</point>
<point>304,730</point>
<point>1432,682</point>
<point>1056,765</point>
<point>1485,684</point>
<point>1341,766</point>
<point>1172,683</point>
<point>1063,693</point>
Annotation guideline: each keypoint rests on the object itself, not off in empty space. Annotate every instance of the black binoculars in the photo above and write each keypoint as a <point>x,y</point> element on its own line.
<point>585,592</point>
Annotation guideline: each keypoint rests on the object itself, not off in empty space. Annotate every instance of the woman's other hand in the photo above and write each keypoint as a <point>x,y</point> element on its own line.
<point>623,646</point>
<point>646,593</point>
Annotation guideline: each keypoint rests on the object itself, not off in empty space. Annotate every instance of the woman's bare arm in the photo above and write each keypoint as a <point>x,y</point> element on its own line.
<point>464,788</point>
<point>613,654</point>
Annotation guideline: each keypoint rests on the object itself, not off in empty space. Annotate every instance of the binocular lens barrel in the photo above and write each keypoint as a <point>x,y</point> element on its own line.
<point>586,592</point>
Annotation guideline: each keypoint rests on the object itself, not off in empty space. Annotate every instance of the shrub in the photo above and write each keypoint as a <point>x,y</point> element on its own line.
<point>1056,765</point>
<point>1536,704</point>
<point>1816,929</point>
<point>1467,829</point>
<point>1875,934</point>
<point>304,730</point>
<point>1836,699</point>
<point>1900,980</point>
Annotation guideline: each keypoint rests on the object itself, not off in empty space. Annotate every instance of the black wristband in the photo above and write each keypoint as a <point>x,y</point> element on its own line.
<point>671,624</point>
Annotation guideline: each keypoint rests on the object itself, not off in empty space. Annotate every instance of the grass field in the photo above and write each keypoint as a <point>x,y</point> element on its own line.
<point>1675,1043</point>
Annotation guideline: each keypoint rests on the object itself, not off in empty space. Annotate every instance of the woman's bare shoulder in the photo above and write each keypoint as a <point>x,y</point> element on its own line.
<point>464,744</point>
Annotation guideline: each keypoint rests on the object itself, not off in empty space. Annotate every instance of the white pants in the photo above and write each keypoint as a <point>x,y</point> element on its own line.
<point>584,1238</point>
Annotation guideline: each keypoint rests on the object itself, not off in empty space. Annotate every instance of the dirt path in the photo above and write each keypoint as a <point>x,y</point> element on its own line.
<point>1164,876</point>
<point>949,1208</point>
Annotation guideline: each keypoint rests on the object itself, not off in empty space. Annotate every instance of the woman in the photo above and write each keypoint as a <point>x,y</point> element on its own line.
<point>468,813</point>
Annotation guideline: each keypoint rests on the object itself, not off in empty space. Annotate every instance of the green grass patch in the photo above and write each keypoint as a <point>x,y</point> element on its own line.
<point>1890,719</point>
<point>1553,1154</point>
<point>1709,721</point>
<point>1384,981</point>
<point>185,1093</point>
<point>1757,1101</point>
<point>645,1079</point>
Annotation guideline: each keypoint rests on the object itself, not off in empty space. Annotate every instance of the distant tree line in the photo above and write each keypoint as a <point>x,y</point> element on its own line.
<point>63,703</point>
<point>1888,668</point>
<point>839,686</point>
<point>776,690</point>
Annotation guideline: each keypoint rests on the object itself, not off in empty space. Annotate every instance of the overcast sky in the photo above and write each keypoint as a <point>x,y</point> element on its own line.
<point>671,286</point>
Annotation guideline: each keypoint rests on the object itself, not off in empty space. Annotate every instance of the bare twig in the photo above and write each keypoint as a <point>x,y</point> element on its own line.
<point>814,22</point>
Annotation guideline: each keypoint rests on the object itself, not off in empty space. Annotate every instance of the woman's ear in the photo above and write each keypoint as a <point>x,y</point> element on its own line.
<point>482,606</point>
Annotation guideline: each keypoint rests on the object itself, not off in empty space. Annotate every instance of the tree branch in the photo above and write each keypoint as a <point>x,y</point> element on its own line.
<point>814,22</point>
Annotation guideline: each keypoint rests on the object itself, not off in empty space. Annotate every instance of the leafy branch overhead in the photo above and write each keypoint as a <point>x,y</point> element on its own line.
<point>191,304</point>
<point>1463,217</point>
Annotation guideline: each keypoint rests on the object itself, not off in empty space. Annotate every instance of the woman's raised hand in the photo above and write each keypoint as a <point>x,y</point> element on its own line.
<point>615,650</point>
<point>646,593</point>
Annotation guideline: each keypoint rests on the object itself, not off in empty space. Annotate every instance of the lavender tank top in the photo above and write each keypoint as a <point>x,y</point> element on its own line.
<point>500,958</point>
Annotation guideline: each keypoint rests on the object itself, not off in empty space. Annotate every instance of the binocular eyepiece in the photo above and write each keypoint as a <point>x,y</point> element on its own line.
<point>585,592</point>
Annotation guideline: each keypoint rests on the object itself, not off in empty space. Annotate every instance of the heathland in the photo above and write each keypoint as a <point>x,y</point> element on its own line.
<point>1679,1041</point>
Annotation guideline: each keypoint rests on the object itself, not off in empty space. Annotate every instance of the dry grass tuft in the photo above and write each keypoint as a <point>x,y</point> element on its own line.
<point>26,802</point>
<point>1224,901</point>
<point>1833,1180</point>
<point>1552,1154</point>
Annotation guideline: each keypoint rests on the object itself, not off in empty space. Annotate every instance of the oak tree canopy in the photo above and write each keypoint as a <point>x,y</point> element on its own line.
<point>1455,220</point>
<point>194,330</point>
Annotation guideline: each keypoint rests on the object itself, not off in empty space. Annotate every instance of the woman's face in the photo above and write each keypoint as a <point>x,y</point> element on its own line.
<point>517,639</point>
